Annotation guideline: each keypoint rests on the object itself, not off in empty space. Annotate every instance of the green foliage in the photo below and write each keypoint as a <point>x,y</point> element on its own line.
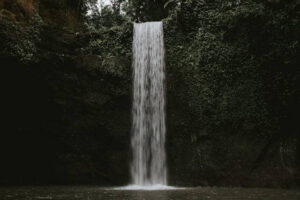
<point>113,49</point>
<point>108,16</point>
<point>20,41</point>
<point>147,10</point>
<point>218,52</point>
<point>220,87</point>
<point>114,41</point>
<point>232,67</point>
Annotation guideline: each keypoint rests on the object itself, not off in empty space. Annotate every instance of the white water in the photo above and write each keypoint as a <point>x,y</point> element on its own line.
<point>148,168</point>
<point>149,187</point>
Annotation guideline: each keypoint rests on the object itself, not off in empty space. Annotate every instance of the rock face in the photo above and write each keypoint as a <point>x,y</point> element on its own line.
<point>67,97</point>
<point>67,111</point>
<point>230,107</point>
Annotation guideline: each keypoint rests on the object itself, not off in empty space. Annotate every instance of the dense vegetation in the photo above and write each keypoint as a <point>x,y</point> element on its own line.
<point>233,95</point>
<point>237,82</point>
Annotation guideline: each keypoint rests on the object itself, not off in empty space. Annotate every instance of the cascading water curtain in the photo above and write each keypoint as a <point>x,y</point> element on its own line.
<point>148,129</point>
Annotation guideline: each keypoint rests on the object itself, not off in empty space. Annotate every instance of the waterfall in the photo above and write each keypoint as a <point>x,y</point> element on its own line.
<point>148,129</point>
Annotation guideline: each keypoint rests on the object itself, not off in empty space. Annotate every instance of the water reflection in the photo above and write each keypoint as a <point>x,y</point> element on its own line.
<point>96,193</point>
<point>148,195</point>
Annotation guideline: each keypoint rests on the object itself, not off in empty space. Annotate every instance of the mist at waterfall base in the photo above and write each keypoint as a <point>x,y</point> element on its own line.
<point>148,167</point>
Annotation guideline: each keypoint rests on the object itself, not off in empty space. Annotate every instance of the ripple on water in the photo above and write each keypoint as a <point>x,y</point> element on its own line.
<point>147,187</point>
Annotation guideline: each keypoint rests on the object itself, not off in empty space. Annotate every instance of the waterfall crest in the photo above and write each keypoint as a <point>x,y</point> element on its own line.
<point>148,128</point>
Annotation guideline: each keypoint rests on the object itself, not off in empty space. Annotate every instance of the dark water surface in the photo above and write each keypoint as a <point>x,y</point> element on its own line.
<point>98,193</point>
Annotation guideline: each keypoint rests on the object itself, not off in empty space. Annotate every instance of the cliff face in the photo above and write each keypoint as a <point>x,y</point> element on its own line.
<point>67,96</point>
<point>67,115</point>
<point>231,103</point>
